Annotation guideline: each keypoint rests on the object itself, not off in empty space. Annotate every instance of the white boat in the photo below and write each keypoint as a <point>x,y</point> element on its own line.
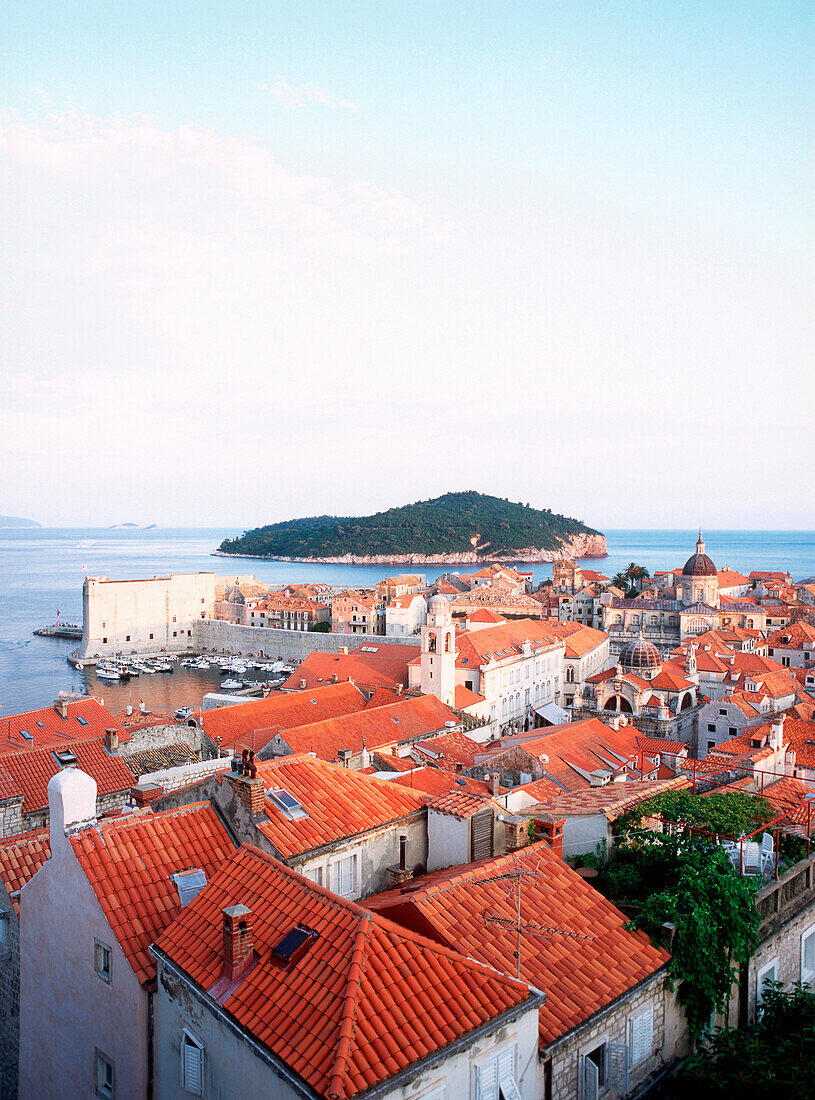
<point>231,685</point>
<point>104,673</point>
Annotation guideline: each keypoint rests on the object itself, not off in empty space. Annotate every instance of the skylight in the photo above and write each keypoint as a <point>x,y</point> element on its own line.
<point>82,721</point>
<point>286,802</point>
<point>41,725</point>
<point>65,757</point>
<point>26,735</point>
<point>190,884</point>
<point>293,943</point>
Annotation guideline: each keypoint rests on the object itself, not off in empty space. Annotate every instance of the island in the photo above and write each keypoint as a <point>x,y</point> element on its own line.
<point>18,521</point>
<point>453,529</point>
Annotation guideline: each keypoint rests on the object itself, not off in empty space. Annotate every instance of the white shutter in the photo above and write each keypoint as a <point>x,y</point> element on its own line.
<point>506,1077</point>
<point>192,1066</point>
<point>486,1081</point>
<point>642,1036</point>
<point>591,1080</point>
<point>808,956</point>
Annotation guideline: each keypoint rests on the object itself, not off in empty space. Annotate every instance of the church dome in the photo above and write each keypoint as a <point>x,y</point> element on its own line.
<point>699,564</point>
<point>640,654</point>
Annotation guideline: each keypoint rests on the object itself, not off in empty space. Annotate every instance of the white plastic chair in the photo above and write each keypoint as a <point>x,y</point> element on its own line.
<point>767,854</point>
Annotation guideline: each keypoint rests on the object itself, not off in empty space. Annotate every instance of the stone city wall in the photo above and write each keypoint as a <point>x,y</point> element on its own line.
<point>172,779</point>
<point>213,636</point>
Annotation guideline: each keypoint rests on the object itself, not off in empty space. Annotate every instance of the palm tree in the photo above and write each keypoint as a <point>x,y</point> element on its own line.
<point>620,581</point>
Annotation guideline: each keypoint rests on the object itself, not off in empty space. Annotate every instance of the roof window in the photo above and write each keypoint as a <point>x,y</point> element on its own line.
<point>286,802</point>
<point>65,758</point>
<point>82,721</point>
<point>294,944</point>
<point>190,884</point>
<point>41,725</point>
<point>26,736</point>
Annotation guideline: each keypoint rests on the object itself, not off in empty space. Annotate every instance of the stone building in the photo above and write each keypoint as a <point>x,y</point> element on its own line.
<point>357,613</point>
<point>659,697</point>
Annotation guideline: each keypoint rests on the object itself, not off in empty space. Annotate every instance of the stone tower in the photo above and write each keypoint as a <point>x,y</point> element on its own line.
<point>439,652</point>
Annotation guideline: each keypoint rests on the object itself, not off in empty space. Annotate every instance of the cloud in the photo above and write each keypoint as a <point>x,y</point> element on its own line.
<point>296,98</point>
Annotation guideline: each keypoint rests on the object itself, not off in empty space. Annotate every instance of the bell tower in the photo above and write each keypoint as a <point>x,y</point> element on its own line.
<point>439,652</point>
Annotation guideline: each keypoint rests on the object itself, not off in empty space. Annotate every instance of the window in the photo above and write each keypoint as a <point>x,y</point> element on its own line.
<point>711,727</point>
<point>192,1064</point>
<point>3,931</point>
<point>711,745</point>
<point>102,961</point>
<point>315,874</point>
<point>766,973</point>
<point>641,1035</point>
<point>495,1079</point>
<point>345,876</point>
<point>104,1076</point>
<point>723,711</point>
<point>151,637</point>
<point>808,956</point>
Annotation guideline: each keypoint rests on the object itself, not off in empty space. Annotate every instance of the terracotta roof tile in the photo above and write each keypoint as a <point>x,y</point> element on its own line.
<point>579,976</point>
<point>242,724</point>
<point>21,857</point>
<point>129,860</point>
<point>47,729</point>
<point>366,1000</point>
<point>449,748</point>
<point>338,803</point>
<point>27,773</point>
<point>438,781</point>
<point>387,668</point>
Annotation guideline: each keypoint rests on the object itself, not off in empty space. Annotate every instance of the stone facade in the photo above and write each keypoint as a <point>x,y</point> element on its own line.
<point>14,819</point>
<point>210,636</point>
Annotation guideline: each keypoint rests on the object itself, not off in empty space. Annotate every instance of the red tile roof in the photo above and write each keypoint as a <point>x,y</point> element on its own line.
<point>28,773</point>
<point>658,744</point>
<point>367,1000</point>
<point>339,803</point>
<point>438,781</point>
<point>449,748</point>
<point>579,976</point>
<point>385,668</point>
<point>21,857</point>
<point>243,724</point>
<point>612,801</point>
<point>793,636</point>
<point>476,647</point>
<point>484,615</point>
<point>128,862</point>
<point>579,639</point>
<point>460,803</point>
<point>466,698</point>
<point>48,729</point>
<point>378,728</point>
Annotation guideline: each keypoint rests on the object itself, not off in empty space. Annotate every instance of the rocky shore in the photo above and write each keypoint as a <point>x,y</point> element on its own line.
<point>571,549</point>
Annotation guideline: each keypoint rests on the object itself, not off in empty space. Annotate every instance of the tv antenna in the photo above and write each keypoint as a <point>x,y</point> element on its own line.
<point>515,876</point>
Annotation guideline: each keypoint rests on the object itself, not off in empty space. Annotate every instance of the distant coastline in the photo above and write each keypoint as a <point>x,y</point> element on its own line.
<point>17,521</point>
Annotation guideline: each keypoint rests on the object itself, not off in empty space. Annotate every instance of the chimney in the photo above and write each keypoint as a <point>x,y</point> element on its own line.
<point>401,873</point>
<point>71,801</point>
<point>495,782</point>
<point>238,945</point>
<point>459,767</point>
<point>335,678</point>
<point>343,649</point>
<point>112,741</point>
<point>251,792</point>
<point>777,731</point>
<point>551,831</point>
<point>144,793</point>
<point>516,832</point>
<point>61,707</point>
<point>303,683</point>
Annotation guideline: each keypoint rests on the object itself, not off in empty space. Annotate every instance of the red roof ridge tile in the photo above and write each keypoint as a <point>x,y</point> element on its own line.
<point>356,968</point>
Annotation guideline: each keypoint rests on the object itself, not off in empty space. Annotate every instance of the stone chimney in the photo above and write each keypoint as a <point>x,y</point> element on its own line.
<point>71,801</point>
<point>112,741</point>
<point>251,792</point>
<point>516,832</point>
<point>61,707</point>
<point>495,783</point>
<point>238,941</point>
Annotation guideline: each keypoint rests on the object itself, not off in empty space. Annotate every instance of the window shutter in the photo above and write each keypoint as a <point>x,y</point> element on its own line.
<point>193,1067</point>
<point>642,1036</point>
<point>506,1077</point>
<point>486,1081</point>
<point>591,1080</point>
<point>618,1066</point>
<point>482,835</point>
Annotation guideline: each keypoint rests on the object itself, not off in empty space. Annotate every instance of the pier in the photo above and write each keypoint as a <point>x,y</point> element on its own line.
<point>60,630</point>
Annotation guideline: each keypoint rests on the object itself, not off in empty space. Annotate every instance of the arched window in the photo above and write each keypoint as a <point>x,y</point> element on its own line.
<point>687,701</point>
<point>447,643</point>
<point>570,674</point>
<point>431,643</point>
<point>625,706</point>
<point>611,703</point>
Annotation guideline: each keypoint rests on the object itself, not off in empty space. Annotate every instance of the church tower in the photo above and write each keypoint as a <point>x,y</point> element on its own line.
<point>439,652</point>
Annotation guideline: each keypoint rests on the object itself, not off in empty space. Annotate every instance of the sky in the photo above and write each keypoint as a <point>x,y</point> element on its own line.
<point>268,259</point>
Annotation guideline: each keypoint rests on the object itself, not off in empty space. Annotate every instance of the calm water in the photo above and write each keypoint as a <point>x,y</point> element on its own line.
<point>42,572</point>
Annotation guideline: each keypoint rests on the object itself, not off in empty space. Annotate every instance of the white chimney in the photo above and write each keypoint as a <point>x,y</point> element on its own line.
<point>777,732</point>
<point>71,801</point>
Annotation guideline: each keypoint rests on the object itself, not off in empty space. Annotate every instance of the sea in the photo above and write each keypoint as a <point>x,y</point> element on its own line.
<point>42,570</point>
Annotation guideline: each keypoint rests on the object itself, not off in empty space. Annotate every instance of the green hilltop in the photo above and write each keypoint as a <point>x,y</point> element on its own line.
<point>450,524</point>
